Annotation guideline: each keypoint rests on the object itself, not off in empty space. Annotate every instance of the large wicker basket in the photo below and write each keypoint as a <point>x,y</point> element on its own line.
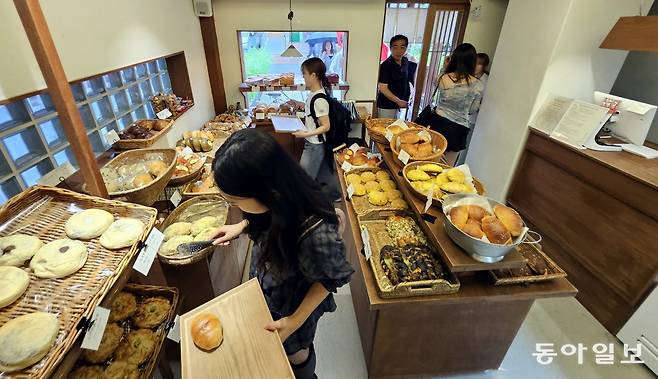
<point>375,125</point>
<point>439,145</point>
<point>188,189</point>
<point>148,194</point>
<point>179,180</point>
<point>42,212</point>
<point>128,144</point>
<point>479,187</point>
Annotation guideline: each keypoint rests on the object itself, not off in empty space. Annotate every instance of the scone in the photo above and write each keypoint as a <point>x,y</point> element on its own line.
<point>86,372</point>
<point>359,189</point>
<point>169,247</point>
<point>353,179</point>
<point>88,224</point>
<point>122,233</point>
<point>121,370</point>
<point>123,306</point>
<point>377,198</point>
<point>137,347</point>
<point>368,176</point>
<point>382,175</point>
<point>151,312</point>
<point>387,184</point>
<point>393,194</point>
<point>372,186</point>
<point>109,342</point>
<point>18,248</point>
<point>13,282</point>
<point>59,258</point>
<point>204,223</point>
<point>177,229</point>
<point>26,339</point>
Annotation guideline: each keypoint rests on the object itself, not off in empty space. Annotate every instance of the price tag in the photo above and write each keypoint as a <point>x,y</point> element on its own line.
<point>346,166</point>
<point>430,197</point>
<point>60,173</point>
<point>355,147</point>
<point>146,256</point>
<point>389,135</point>
<point>350,191</point>
<point>94,334</point>
<point>111,137</point>
<point>286,88</point>
<point>174,332</point>
<point>164,114</point>
<point>260,116</point>
<point>255,88</point>
<point>424,134</point>
<point>176,198</point>
<point>365,237</point>
<point>269,88</point>
<point>375,155</point>
<point>187,151</point>
<point>404,157</point>
<point>301,114</point>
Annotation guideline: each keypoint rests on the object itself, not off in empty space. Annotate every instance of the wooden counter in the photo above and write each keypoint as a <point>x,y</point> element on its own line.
<point>598,215</point>
<point>468,331</point>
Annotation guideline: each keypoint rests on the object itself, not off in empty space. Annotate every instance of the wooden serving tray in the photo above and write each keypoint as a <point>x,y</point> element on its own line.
<point>247,351</point>
<point>360,203</point>
<point>554,271</point>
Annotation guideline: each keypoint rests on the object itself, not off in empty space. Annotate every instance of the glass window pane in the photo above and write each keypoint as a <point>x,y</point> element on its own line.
<point>166,83</point>
<point>40,105</point>
<point>87,118</point>
<point>147,91</point>
<point>4,166</point>
<point>96,143</point>
<point>106,129</point>
<point>139,113</point>
<point>141,70</point>
<point>78,92</point>
<point>152,67</point>
<point>157,86</point>
<point>13,114</point>
<point>65,155</point>
<point>134,95</point>
<point>53,133</point>
<point>128,75</point>
<point>9,189</point>
<point>125,121</point>
<point>119,102</point>
<point>34,173</point>
<point>149,110</point>
<point>162,65</point>
<point>102,111</point>
<point>112,80</point>
<point>24,146</point>
<point>93,87</point>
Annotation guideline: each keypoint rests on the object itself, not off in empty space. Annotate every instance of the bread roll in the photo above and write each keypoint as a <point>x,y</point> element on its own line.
<point>476,212</point>
<point>409,138</point>
<point>459,215</point>
<point>473,229</point>
<point>510,219</point>
<point>409,148</point>
<point>424,150</point>
<point>207,331</point>
<point>495,231</point>
<point>142,180</point>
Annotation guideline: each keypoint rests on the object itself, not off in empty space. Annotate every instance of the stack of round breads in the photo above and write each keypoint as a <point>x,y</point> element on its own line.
<point>378,186</point>
<point>202,229</point>
<point>500,228</point>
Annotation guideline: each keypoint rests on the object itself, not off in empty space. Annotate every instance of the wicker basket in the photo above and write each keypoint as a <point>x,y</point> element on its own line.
<point>176,215</point>
<point>554,272</point>
<point>360,203</point>
<point>479,187</point>
<point>128,144</point>
<point>187,190</point>
<point>375,223</point>
<point>439,143</point>
<point>373,123</point>
<point>42,211</point>
<point>148,194</point>
<point>178,180</point>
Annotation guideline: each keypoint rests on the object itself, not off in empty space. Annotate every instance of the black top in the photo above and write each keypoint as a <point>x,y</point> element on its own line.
<point>398,77</point>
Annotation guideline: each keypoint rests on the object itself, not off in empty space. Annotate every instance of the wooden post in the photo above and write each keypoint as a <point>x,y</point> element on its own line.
<point>58,87</point>
<point>211,48</point>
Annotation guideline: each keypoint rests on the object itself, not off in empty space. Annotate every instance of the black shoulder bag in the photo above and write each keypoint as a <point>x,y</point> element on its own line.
<point>427,114</point>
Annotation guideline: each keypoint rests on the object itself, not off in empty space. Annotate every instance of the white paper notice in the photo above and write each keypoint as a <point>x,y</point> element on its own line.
<point>346,166</point>
<point>111,137</point>
<point>146,256</point>
<point>176,198</point>
<point>255,88</point>
<point>164,114</point>
<point>404,157</point>
<point>60,173</point>
<point>174,332</point>
<point>579,123</point>
<point>550,113</point>
<point>424,134</point>
<point>95,333</point>
<point>350,191</point>
<point>365,237</point>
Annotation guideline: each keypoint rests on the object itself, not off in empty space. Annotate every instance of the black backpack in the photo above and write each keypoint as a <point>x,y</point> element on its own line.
<point>340,119</point>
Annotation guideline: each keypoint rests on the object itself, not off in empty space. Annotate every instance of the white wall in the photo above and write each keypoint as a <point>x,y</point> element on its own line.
<point>93,36</point>
<point>483,31</point>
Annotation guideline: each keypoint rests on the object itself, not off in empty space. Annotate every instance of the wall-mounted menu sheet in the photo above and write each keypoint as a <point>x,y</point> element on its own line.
<point>550,113</point>
<point>580,123</point>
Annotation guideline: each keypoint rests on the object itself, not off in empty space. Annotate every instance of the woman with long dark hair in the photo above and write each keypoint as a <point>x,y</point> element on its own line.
<point>460,94</point>
<point>327,53</point>
<point>298,255</point>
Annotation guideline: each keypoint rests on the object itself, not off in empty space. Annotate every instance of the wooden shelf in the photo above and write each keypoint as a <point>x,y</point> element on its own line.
<point>454,256</point>
<point>244,87</point>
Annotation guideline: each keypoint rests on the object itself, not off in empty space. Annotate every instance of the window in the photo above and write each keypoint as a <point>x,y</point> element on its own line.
<point>32,137</point>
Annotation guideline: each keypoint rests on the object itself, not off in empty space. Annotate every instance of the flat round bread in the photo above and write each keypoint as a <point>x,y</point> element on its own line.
<point>59,258</point>
<point>204,223</point>
<point>151,312</point>
<point>206,234</point>
<point>16,249</point>
<point>13,282</point>
<point>122,233</point>
<point>86,372</point>
<point>177,229</point>
<point>26,339</point>
<point>137,347</point>
<point>109,342</point>
<point>121,370</point>
<point>123,306</point>
<point>88,224</point>
<point>169,247</point>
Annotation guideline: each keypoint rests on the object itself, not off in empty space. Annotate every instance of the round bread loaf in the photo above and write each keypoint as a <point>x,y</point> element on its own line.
<point>59,258</point>
<point>26,339</point>
<point>13,282</point>
<point>88,224</point>
<point>18,248</point>
<point>122,233</point>
<point>207,331</point>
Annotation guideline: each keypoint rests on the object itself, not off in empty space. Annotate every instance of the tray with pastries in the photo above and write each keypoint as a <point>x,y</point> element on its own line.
<point>76,247</point>
<point>358,157</point>
<point>142,133</point>
<point>204,185</point>
<point>140,318</point>
<point>373,189</point>
<point>440,179</point>
<point>540,267</point>
<point>403,261</point>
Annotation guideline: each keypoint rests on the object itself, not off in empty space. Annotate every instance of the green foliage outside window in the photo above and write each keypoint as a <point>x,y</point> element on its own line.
<point>257,61</point>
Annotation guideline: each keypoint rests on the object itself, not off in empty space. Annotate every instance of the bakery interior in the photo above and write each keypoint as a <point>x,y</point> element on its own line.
<point>110,117</point>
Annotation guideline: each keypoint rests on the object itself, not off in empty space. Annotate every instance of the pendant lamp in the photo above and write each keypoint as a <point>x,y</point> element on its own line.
<point>291,51</point>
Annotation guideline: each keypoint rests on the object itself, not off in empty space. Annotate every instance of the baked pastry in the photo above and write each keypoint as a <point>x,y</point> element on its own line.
<point>206,234</point>
<point>359,189</point>
<point>423,150</point>
<point>137,347</point>
<point>459,215</point>
<point>123,306</point>
<point>393,194</point>
<point>122,233</point>
<point>409,138</point>
<point>404,231</point>
<point>121,370</point>
<point>495,231</point>
<point>442,178</point>
<point>382,175</point>
<point>26,339</point>
<point>109,342</point>
<point>431,167</point>
<point>399,203</point>
<point>387,184</point>
<point>453,187</point>
<point>169,247</point>
<point>359,160</point>
<point>377,198</point>
<point>368,176</point>
<point>86,372</point>
<point>18,248</point>
<point>372,186</point>
<point>207,331</point>
<point>418,175</point>
<point>204,223</point>
<point>476,212</point>
<point>353,179</point>
<point>151,312</point>
<point>88,224</point>
<point>409,148</point>
<point>156,167</point>
<point>509,218</point>
<point>473,229</point>
<point>59,258</point>
<point>177,229</point>
<point>142,180</point>
<point>13,282</point>
<point>456,175</point>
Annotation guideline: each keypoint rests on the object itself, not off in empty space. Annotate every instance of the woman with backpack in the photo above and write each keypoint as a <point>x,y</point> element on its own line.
<point>298,255</point>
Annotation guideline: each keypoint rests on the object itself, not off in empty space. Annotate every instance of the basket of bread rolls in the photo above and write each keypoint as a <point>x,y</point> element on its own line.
<point>441,180</point>
<point>377,128</point>
<point>422,144</point>
<point>486,229</point>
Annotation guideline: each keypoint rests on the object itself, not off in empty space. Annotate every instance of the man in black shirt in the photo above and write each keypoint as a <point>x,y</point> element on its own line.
<point>396,79</point>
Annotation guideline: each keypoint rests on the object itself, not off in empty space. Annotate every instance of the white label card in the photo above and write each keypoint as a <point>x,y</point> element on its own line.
<point>260,116</point>
<point>365,237</point>
<point>285,88</point>
<point>174,332</point>
<point>346,166</point>
<point>401,124</point>
<point>187,151</point>
<point>146,256</point>
<point>164,114</point>
<point>255,89</point>
<point>428,203</point>
<point>389,135</point>
<point>175,198</point>
<point>111,137</point>
<point>94,334</point>
<point>355,147</point>
<point>404,157</point>
<point>61,172</point>
<point>269,88</point>
<point>424,134</point>
<point>350,191</point>
<point>301,114</point>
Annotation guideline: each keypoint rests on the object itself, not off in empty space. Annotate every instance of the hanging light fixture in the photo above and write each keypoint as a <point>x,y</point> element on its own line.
<point>291,51</point>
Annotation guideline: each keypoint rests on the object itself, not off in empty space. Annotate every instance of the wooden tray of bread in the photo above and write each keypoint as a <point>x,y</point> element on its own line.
<point>422,144</point>
<point>540,267</point>
<point>131,322</point>
<point>236,344</point>
<point>441,179</point>
<point>130,138</point>
<point>204,185</point>
<point>68,279</point>
<point>374,189</point>
<point>402,260</point>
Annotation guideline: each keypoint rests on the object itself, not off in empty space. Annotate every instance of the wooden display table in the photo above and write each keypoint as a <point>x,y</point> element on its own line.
<point>468,331</point>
